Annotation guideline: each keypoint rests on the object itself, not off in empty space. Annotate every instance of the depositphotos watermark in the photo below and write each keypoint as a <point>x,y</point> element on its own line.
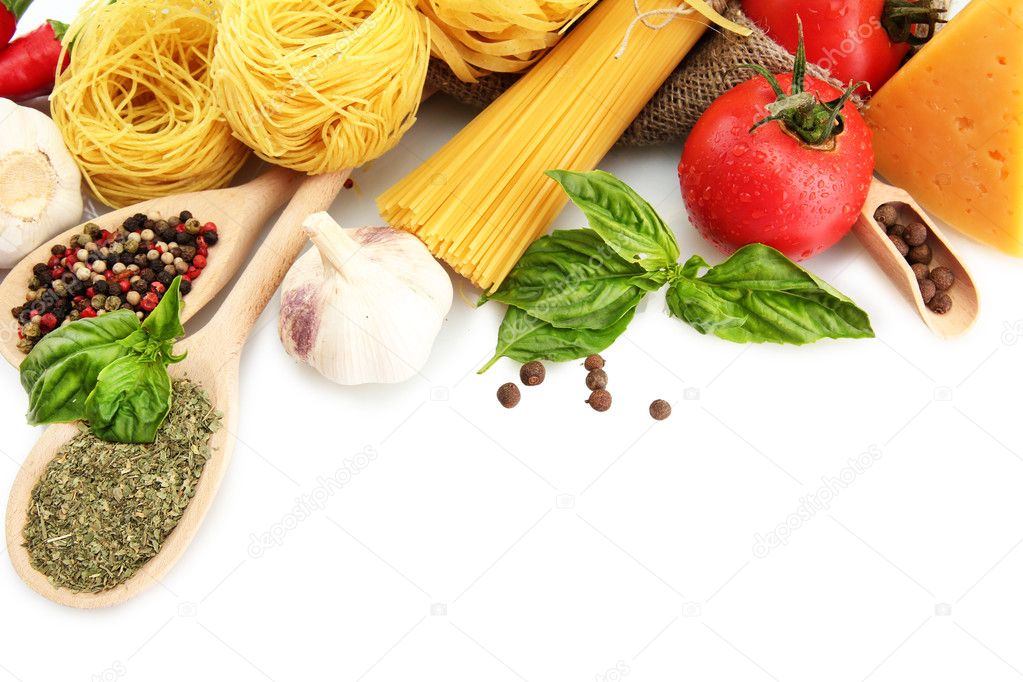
<point>817,501</point>
<point>311,502</point>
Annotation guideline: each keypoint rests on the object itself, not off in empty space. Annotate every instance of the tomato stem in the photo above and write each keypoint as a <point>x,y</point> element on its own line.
<point>901,18</point>
<point>802,113</point>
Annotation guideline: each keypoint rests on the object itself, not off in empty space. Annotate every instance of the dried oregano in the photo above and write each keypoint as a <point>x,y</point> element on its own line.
<point>102,510</point>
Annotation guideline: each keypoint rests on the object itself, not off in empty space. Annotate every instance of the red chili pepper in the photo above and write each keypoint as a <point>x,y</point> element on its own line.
<point>28,65</point>
<point>10,12</point>
<point>88,312</point>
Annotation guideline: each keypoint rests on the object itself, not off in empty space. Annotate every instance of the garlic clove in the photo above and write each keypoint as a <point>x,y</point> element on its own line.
<point>40,185</point>
<point>364,305</point>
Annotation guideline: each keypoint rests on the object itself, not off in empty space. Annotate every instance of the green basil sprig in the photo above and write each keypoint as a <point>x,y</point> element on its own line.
<point>574,292</point>
<point>109,370</point>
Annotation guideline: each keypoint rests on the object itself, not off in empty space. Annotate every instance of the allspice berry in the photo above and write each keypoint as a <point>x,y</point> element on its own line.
<point>886,214</point>
<point>943,278</point>
<point>941,303</point>
<point>927,290</point>
<point>920,254</point>
<point>600,400</point>
<point>897,230</point>
<point>596,380</point>
<point>921,271</point>
<point>901,246</point>
<point>660,410</point>
<point>532,373</point>
<point>508,395</point>
<point>594,362</point>
<point>915,234</point>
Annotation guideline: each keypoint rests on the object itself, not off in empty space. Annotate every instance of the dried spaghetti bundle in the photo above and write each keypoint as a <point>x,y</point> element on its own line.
<point>320,85</point>
<point>475,37</point>
<point>135,107</point>
<point>483,198</point>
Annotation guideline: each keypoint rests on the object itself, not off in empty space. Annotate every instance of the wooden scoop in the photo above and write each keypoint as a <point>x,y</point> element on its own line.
<point>212,362</point>
<point>965,303</point>
<point>240,212</point>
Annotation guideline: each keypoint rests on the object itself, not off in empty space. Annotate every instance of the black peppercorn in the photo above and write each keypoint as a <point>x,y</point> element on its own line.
<point>57,250</point>
<point>211,238</point>
<point>185,286</point>
<point>920,254</point>
<point>141,260</point>
<point>660,410</point>
<point>140,286</point>
<point>76,287</point>
<point>184,239</point>
<point>126,257</point>
<point>941,303</point>
<point>916,234</point>
<point>901,246</point>
<point>25,316</point>
<point>101,287</point>
<point>943,278</point>
<point>176,252</point>
<point>165,278</point>
<point>532,373</point>
<point>169,235</point>
<point>886,214</point>
<point>600,400</point>
<point>39,269</point>
<point>111,260</point>
<point>185,216</point>
<point>921,271</point>
<point>927,290</point>
<point>147,274</point>
<point>508,395</point>
<point>596,379</point>
<point>594,362</point>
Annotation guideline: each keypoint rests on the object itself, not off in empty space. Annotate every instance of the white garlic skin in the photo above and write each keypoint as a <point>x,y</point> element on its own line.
<point>363,306</point>
<point>40,185</point>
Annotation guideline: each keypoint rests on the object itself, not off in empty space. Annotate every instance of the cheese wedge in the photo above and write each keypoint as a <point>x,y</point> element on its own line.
<point>948,127</point>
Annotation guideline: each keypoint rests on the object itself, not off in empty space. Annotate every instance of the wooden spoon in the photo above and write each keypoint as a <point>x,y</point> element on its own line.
<point>213,361</point>
<point>240,212</point>
<point>965,302</point>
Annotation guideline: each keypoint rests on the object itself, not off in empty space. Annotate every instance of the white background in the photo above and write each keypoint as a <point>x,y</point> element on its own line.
<point>553,543</point>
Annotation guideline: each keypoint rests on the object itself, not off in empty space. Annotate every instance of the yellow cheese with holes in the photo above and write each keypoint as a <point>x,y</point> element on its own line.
<point>948,128</point>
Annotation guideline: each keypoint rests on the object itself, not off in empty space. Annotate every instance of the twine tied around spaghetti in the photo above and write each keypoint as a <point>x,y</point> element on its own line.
<point>671,13</point>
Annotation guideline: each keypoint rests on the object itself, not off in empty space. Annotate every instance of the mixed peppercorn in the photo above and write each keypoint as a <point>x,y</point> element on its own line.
<point>911,241</point>
<point>102,271</point>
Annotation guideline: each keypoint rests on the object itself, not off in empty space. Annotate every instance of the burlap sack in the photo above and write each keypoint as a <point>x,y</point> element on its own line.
<point>710,70</point>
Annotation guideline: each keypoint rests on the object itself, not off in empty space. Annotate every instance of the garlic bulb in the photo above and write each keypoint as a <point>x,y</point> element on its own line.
<point>40,185</point>
<point>363,306</point>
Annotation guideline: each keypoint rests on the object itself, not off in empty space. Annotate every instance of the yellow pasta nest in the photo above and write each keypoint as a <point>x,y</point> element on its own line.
<point>135,106</point>
<point>320,85</point>
<point>476,37</point>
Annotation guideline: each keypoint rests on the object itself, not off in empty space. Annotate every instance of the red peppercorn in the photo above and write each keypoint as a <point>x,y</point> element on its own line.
<point>157,287</point>
<point>208,227</point>
<point>21,334</point>
<point>34,314</point>
<point>48,322</point>
<point>149,301</point>
<point>349,183</point>
<point>124,285</point>
<point>88,312</point>
<point>78,299</point>
<point>90,292</point>
<point>179,228</point>
<point>199,262</point>
<point>70,261</point>
<point>193,273</point>
<point>56,272</point>
<point>53,261</point>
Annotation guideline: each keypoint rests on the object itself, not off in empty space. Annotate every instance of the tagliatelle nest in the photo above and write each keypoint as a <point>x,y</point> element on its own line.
<point>476,37</point>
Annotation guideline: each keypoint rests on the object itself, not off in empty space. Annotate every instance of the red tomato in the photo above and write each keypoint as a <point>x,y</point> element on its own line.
<point>846,37</point>
<point>768,186</point>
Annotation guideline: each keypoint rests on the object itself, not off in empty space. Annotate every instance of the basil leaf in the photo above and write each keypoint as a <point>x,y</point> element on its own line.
<point>571,278</point>
<point>524,338</point>
<point>758,295</point>
<point>61,371</point>
<point>621,217</point>
<point>164,323</point>
<point>131,399</point>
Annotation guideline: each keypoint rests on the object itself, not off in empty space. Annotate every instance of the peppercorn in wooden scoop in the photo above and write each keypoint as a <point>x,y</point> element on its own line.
<point>917,258</point>
<point>240,212</point>
<point>214,354</point>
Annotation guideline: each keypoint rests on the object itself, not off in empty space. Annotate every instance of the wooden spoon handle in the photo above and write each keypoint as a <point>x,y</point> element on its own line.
<point>275,256</point>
